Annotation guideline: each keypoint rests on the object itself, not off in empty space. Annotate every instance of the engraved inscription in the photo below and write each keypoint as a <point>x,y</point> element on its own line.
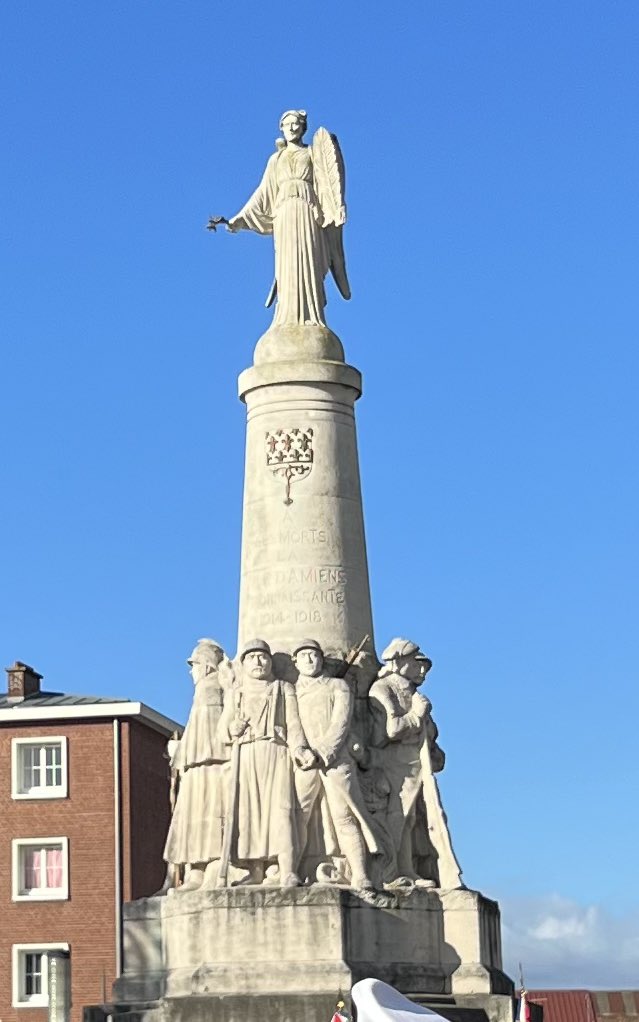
<point>298,574</point>
<point>287,539</point>
<point>289,617</point>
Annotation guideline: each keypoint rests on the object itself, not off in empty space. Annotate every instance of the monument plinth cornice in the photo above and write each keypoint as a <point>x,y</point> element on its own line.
<point>291,372</point>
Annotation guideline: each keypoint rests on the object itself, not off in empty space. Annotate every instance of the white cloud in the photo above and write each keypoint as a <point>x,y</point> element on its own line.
<point>562,943</point>
<point>574,924</point>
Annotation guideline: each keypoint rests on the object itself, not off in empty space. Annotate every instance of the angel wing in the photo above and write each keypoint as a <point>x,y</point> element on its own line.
<point>328,165</point>
<point>330,181</point>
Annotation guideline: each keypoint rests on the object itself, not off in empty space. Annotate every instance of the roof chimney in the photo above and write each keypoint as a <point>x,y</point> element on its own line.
<point>23,682</point>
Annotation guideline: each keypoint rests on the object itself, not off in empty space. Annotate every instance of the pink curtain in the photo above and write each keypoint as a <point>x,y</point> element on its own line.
<point>32,858</point>
<point>54,867</point>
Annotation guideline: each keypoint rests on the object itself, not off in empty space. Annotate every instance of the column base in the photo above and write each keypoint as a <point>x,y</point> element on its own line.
<point>309,342</point>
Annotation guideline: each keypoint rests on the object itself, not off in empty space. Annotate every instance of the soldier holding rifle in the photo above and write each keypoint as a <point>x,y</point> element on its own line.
<point>405,739</point>
<point>263,725</point>
<point>329,782</point>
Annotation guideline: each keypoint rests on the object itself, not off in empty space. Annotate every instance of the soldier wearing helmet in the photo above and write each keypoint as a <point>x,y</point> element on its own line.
<point>264,721</point>
<point>401,725</point>
<point>329,782</point>
<point>195,836</point>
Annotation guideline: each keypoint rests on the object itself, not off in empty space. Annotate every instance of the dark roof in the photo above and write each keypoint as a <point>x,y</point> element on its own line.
<point>54,699</point>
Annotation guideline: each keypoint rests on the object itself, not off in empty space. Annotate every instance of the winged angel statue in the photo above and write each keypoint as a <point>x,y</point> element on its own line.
<point>300,201</point>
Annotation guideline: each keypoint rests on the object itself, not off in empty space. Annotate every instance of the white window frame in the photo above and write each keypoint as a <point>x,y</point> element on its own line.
<point>18,893</point>
<point>18,995</point>
<point>57,791</point>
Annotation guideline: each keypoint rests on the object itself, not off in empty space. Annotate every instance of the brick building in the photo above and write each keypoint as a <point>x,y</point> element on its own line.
<point>84,812</point>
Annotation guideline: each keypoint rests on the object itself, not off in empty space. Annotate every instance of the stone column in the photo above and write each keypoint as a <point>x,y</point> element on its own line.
<point>304,569</point>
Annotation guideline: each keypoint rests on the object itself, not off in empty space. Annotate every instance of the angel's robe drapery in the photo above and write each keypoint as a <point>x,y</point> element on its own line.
<point>286,205</point>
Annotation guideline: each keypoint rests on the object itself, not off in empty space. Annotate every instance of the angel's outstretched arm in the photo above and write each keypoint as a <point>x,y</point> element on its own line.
<point>257,214</point>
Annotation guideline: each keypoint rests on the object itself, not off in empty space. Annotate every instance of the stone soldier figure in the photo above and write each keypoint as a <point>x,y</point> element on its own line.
<point>200,757</point>
<point>404,735</point>
<point>330,780</point>
<point>263,719</point>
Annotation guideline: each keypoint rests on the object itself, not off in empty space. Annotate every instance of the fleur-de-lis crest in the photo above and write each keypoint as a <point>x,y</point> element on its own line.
<point>289,454</point>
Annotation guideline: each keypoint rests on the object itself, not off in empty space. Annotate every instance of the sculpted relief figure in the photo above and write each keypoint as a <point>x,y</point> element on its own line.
<point>300,201</point>
<point>200,759</point>
<point>328,782</point>
<point>263,720</point>
<point>404,736</point>
<point>268,782</point>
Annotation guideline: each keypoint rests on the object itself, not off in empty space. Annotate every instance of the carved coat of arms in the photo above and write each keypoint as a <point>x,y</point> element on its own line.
<point>289,455</point>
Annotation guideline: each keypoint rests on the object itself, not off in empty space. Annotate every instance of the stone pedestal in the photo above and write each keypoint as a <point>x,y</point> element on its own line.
<point>289,953</point>
<point>304,569</point>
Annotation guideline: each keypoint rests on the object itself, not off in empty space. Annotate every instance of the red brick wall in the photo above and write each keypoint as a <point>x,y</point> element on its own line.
<point>86,921</point>
<point>149,808</point>
<point>125,816</point>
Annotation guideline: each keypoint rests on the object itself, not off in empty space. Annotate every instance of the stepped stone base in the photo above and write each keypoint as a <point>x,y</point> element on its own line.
<point>239,954</point>
<point>288,1008</point>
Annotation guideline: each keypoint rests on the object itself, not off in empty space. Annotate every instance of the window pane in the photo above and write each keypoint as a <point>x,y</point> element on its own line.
<point>53,766</point>
<point>27,777</point>
<point>41,766</point>
<point>30,767</point>
<point>32,868</point>
<point>32,974</point>
<point>53,755</point>
<point>53,776</point>
<point>54,868</point>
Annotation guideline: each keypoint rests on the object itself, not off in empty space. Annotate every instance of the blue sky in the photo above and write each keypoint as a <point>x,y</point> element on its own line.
<point>493,161</point>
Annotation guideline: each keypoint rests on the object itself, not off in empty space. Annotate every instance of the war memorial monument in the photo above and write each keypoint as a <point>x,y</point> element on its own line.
<point>308,847</point>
